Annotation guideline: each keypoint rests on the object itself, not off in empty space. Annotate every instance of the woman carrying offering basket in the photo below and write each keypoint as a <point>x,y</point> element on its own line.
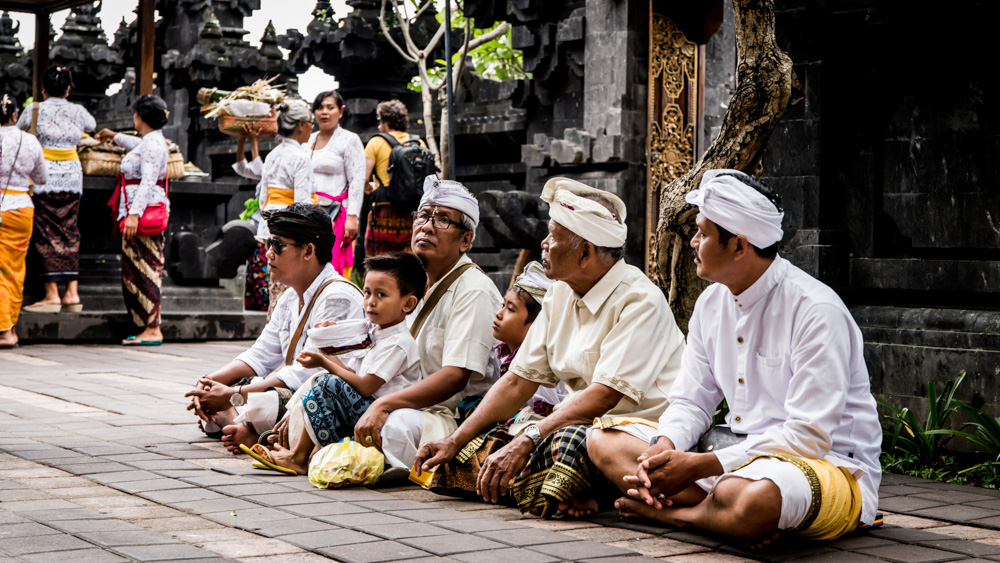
<point>287,176</point>
<point>142,209</point>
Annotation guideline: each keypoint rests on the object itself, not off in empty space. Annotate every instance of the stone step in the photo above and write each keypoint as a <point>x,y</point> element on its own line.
<point>113,325</point>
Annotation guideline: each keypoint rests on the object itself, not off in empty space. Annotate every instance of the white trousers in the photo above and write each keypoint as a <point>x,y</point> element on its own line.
<point>405,430</point>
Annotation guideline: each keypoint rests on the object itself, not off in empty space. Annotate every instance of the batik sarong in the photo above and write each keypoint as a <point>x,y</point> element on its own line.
<point>387,231</point>
<point>142,272</point>
<point>333,408</point>
<point>15,236</point>
<point>255,295</point>
<point>557,470</point>
<point>57,235</point>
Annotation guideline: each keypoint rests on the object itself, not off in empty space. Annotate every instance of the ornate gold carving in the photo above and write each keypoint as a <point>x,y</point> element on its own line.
<point>673,112</point>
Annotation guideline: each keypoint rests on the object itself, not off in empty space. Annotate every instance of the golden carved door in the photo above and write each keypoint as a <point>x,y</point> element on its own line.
<point>673,113</point>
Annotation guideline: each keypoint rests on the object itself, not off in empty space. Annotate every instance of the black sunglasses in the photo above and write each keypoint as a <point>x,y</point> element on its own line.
<point>277,246</point>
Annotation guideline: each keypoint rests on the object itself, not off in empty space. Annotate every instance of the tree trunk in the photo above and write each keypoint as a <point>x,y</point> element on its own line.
<point>445,144</point>
<point>427,99</point>
<point>766,87</point>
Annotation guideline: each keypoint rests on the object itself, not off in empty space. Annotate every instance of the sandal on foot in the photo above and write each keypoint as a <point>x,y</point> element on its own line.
<point>44,308</point>
<point>71,308</point>
<point>134,341</point>
<point>263,459</point>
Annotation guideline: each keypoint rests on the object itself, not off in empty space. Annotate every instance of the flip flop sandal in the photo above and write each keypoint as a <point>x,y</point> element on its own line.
<point>216,434</point>
<point>262,439</point>
<point>263,459</point>
<point>44,308</point>
<point>71,308</point>
<point>133,341</point>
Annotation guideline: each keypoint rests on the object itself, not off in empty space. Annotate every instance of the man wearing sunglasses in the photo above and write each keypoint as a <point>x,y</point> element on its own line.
<point>454,333</point>
<point>299,251</point>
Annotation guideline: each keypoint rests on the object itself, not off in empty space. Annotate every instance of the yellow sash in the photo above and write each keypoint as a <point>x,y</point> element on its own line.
<point>283,196</point>
<point>60,154</point>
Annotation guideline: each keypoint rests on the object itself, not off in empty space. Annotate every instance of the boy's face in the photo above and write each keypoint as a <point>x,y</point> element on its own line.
<point>384,303</point>
<point>510,325</point>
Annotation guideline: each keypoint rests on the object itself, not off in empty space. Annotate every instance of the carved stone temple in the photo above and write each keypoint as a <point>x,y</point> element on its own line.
<point>887,167</point>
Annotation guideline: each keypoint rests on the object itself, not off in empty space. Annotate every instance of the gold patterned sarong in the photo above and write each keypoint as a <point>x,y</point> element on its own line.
<point>835,508</point>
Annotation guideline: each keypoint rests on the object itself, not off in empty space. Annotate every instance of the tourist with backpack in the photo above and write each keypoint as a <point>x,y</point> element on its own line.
<point>396,163</point>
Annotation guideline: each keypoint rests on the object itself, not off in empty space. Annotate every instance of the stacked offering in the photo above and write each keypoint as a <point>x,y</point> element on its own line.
<point>253,105</point>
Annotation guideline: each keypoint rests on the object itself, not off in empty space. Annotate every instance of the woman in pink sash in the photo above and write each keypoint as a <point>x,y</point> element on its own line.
<point>338,161</point>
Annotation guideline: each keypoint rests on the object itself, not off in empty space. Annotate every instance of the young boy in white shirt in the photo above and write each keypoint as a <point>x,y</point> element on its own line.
<point>331,403</point>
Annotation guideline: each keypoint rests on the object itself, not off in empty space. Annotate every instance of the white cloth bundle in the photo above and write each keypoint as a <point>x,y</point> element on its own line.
<point>447,193</point>
<point>586,217</point>
<point>534,281</point>
<point>733,205</point>
<point>345,336</point>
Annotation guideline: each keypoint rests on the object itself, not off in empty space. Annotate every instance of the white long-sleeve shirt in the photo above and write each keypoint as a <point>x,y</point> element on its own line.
<point>60,124</point>
<point>146,161</point>
<point>339,301</point>
<point>16,168</point>
<point>339,166</point>
<point>286,166</point>
<point>789,359</point>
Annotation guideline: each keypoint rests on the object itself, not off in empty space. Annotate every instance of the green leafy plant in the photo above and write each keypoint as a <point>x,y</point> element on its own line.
<point>924,443</point>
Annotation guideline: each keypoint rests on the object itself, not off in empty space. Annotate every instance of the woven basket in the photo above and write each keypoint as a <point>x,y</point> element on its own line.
<point>232,125</point>
<point>100,163</point>
<point>175,165</point>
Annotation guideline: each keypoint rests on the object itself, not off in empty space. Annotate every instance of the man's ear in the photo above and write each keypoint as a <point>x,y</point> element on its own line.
<point>466,242</point>
<point>586,253</point>
<point>309,251</point>
<point>742,247</point>
<point>410,303</point>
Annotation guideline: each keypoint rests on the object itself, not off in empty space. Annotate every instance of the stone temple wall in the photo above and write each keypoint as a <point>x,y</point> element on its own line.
<point>889,178</point>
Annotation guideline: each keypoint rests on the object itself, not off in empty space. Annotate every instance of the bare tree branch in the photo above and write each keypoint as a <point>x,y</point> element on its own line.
<point>385,32</point>
<point>489,36</point>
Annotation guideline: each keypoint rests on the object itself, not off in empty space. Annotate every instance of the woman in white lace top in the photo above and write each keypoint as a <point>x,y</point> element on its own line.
<point>338,162</point>
<point>20,161</point>
<point>56,237</point>
<point>144,171</point>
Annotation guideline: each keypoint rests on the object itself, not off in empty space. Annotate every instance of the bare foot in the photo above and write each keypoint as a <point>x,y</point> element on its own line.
<point>578,506</point>
<point>8,338</point>
<point>285,457</point>
<point>631,508</point>
<point>236,434</point>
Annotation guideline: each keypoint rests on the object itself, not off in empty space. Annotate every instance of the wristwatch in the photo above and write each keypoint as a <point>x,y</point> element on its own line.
<point>533,433</point>
<point>236,399</point>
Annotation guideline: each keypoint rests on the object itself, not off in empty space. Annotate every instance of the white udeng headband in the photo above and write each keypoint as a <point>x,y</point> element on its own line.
<point>586,217</point>
<point>738,208</point>
<point>454,195</point>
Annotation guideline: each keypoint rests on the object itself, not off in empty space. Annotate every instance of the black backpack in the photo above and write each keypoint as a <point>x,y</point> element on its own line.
<point>409,164</point>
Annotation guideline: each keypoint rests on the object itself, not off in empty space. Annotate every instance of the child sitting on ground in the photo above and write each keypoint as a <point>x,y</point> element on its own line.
<point>328,406</point>
<point>521,306</point>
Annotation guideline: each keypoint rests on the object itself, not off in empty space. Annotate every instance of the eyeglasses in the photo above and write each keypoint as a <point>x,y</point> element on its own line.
<point>277,246</point>
<point>439,222</point>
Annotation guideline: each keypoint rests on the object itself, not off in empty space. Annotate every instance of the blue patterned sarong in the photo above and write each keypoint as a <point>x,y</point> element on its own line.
<point>333,407</point>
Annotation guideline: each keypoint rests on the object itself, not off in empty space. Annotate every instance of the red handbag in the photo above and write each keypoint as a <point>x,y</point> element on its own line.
<point>153,220</point>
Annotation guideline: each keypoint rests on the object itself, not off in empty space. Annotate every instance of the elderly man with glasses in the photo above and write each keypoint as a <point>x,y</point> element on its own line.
<point>453,327</point>
<point>246,397</point>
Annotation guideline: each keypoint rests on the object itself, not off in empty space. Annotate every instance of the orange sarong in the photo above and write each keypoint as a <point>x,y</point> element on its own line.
<point>15,235</point>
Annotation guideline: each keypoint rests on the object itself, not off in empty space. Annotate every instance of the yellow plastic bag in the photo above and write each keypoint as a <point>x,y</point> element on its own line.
<point>345,463</point>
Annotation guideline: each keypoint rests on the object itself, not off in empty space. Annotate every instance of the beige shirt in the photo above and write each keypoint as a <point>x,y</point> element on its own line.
<point>459,332</point>
<point>621,334</point>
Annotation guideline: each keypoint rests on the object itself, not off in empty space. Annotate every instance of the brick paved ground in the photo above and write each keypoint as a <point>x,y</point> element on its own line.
<point>99,461</point>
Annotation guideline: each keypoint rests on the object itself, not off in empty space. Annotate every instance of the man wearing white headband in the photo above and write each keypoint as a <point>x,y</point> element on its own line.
<point>452,324</point>
<point>606,331</point>
<point>784,352</point>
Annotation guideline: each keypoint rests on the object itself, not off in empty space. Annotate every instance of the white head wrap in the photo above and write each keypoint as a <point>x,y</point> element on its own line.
<point>345,336</point>
<point>586,217</point>
<point>737,207</point>
<point>448,193</point>
<point>534,281</point>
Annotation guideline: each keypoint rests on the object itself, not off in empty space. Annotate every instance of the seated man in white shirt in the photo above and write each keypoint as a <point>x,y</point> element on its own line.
<point>453,327</point>
<point>299,253</point>
<point>605,331</point>
<point>784,352</point>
